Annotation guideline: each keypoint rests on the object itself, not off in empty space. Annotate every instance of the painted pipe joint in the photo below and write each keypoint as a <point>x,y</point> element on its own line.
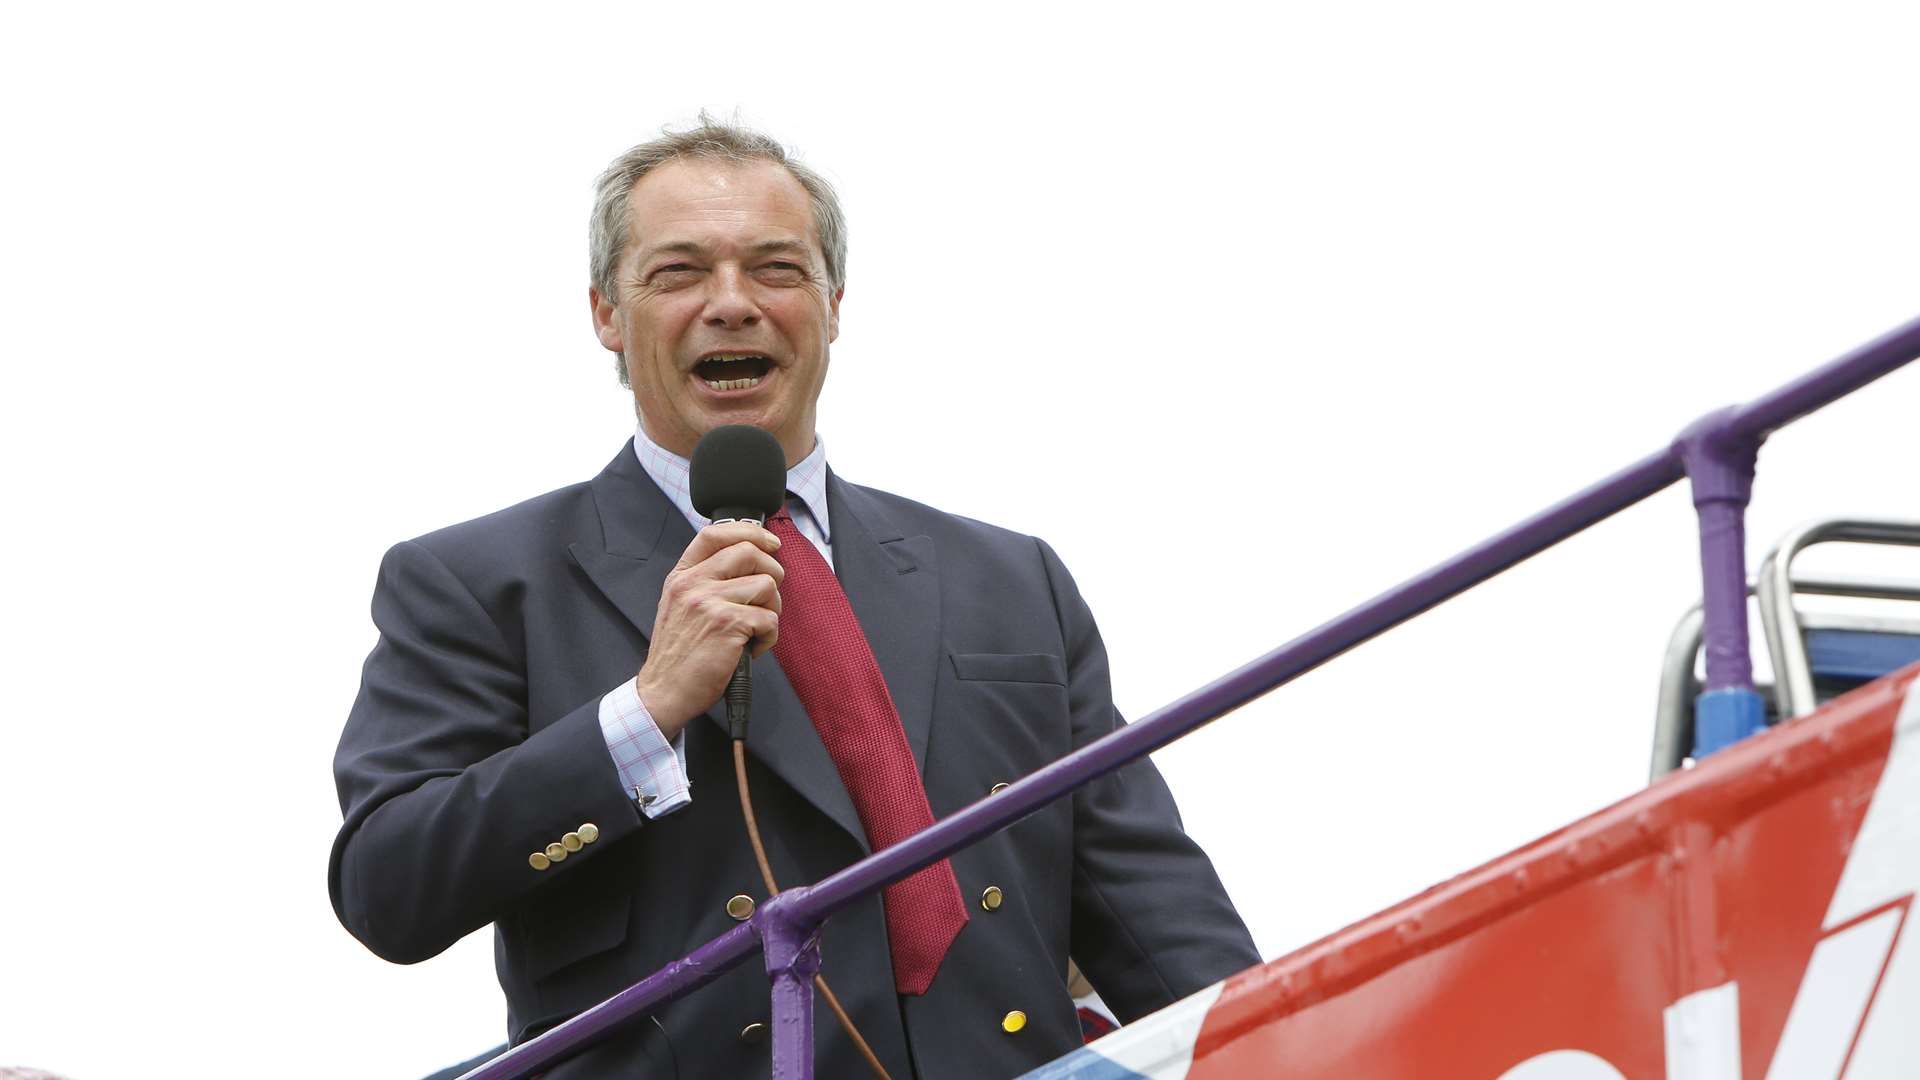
<point>789,937</point>
<point>1719,459</point>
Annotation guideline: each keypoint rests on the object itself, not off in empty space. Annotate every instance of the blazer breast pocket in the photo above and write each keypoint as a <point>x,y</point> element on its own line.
<point>1010,667</point>
<point>1013,709</point>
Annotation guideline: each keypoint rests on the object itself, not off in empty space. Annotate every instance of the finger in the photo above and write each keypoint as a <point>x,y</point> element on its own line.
<point>766,629</point>
<point>739,560</point>
<point>753,590</point>
<point>755,627</point>
<point>716,538</point>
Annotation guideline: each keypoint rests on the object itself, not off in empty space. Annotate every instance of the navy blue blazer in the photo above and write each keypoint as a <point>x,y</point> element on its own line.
<point>475,741</point>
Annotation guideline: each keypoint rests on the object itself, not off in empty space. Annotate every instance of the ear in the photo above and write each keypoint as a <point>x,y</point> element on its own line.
<point>606,321</point>
<point>833,314</point>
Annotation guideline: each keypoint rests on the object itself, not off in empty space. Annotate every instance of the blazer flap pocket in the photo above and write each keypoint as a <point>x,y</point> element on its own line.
<point>566,934</point>
<point>1011,667</point>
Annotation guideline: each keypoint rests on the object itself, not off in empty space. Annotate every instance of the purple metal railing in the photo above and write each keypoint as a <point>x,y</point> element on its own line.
<point>1717,452</point>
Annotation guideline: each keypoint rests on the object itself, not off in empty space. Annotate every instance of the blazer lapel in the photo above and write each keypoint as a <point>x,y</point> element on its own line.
<point>783,737</point>
<point>643,536</point>
<point>893,583</point>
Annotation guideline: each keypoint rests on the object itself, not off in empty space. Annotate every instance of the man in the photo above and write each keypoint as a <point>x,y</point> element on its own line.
<point>536,742</point>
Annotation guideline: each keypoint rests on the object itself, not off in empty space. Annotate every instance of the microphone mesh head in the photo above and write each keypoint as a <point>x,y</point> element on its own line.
<point>738,471</point>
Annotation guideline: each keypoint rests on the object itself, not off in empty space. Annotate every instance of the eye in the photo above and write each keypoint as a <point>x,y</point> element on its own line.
<point>673,274</point>
<point>783,273</point>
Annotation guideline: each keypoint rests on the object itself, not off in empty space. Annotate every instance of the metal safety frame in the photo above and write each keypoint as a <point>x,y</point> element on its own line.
<point>1786,639</point>
<point>1673,717</point>
<point>1717,453</point>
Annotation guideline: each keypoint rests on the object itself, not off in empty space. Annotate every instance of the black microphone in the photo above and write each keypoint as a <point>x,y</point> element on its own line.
<point>738,473</point>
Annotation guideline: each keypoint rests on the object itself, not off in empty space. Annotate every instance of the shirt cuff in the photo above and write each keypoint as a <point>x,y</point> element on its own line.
<point>653,773</point>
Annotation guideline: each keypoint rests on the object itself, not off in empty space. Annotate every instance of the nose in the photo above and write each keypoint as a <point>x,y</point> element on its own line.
<point>731,304</point>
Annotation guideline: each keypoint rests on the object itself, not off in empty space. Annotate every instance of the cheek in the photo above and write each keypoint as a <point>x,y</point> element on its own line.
<point>799,302</point>
<point>652,335</point>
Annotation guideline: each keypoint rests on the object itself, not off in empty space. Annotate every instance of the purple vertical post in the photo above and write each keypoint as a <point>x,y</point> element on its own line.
<point>1720,460</point>
<point>792,948</point>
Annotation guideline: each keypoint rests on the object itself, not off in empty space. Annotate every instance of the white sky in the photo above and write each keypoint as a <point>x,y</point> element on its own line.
<point>1251,316</point>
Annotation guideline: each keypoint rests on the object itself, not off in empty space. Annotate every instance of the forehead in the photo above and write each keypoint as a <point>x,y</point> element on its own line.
<point>718,205</point>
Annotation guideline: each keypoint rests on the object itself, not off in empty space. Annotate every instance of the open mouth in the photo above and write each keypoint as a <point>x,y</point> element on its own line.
<point>733,371</point>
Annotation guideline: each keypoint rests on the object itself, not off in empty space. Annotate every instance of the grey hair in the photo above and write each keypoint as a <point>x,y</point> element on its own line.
<point>712,140</point>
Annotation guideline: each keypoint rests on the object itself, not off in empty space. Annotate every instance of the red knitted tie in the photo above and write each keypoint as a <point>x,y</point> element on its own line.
<point>826,657</point>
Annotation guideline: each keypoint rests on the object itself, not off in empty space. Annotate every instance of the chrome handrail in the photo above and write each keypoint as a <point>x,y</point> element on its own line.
<point>1673,718</point>
<point>1793,676</point>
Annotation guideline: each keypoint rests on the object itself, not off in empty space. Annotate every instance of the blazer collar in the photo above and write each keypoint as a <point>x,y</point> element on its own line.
<point>890,580</point>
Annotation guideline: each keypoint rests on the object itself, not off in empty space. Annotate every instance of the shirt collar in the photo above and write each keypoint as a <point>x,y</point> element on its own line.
<point>807,480</point>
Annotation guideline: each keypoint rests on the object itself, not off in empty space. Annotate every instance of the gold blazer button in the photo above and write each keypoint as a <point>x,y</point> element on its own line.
<point>539,861</point>
<point>741,907</point>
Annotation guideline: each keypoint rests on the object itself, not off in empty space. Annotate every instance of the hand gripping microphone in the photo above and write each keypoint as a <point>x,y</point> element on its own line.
<point>738,473</point>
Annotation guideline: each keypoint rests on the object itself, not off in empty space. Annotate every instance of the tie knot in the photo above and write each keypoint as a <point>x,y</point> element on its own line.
<point>785,513</point>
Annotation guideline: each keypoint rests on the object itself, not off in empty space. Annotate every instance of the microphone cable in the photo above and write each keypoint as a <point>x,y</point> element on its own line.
<point>773,890</point>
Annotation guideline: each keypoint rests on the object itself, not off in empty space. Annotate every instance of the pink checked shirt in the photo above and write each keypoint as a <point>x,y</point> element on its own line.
<point>654,771</point>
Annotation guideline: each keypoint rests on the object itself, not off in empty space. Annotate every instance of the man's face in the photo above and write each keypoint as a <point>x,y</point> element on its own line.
<point>724,313</point>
